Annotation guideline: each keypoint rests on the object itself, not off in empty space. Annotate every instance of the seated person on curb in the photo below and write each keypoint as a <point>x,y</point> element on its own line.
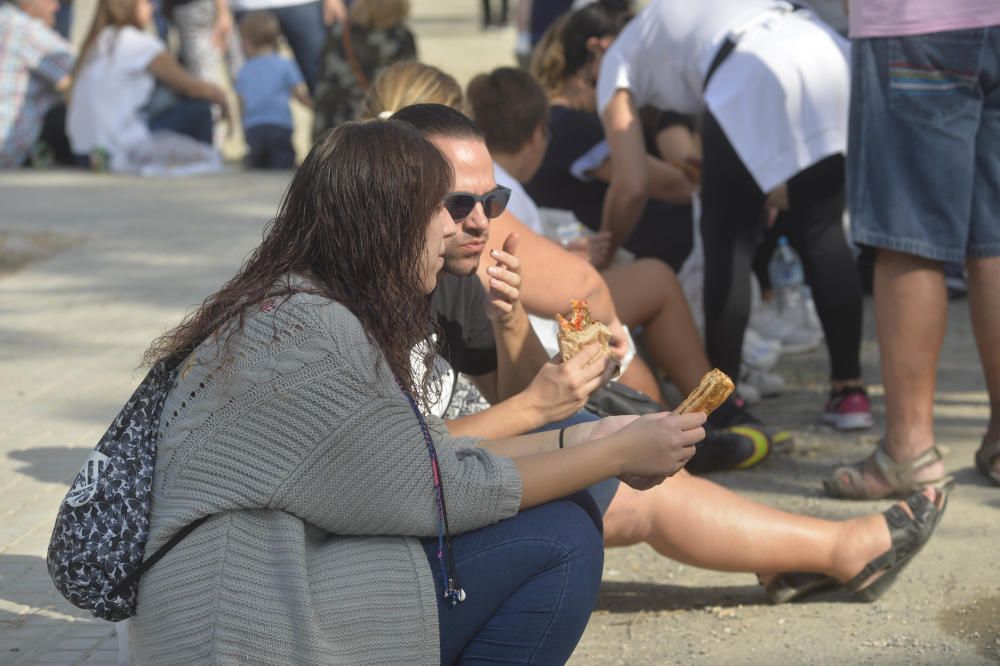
<point>35,66</point>
<point>576,169</point>
<point>566,276</point>
<point>686,518</point>
<point>343,526</point>
<point>265,86</point>
<point>113,107</point>
<point>511,109</point>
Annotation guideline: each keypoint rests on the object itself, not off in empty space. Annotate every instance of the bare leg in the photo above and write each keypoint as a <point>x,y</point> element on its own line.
<point>984,301</point>
<point>911,313</point>
<point>647,292</point>
<point>638,376</point>
<point>700,523</point>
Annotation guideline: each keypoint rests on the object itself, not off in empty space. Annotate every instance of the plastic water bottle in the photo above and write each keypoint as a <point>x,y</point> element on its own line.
<point>787,279</point>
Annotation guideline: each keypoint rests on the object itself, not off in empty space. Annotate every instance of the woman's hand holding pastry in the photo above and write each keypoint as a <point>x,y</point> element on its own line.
<point>659,445</point>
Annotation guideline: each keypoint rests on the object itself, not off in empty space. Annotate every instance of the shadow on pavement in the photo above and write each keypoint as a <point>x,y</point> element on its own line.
<point>634,597</point>
<point>51,464</point>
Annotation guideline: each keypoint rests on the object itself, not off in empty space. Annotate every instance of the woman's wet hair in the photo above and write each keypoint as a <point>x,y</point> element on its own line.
<point>354,220</point>
<point>439,120</point>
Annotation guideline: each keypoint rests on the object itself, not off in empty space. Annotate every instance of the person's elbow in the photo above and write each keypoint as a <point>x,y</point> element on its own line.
<point>591,283</point>
<point>630,190</point>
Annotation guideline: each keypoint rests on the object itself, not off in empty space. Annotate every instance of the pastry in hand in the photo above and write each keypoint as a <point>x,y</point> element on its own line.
<point>711,392</point>
<point>579,330</point>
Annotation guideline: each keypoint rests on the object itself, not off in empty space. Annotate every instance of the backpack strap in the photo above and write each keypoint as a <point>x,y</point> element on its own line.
<point>148,562</point>
<point>352,59</point>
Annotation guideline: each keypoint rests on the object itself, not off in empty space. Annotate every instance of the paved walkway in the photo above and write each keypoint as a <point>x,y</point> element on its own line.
<point>126,257</point>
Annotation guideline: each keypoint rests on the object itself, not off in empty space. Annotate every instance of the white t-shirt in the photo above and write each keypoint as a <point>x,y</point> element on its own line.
<point>781,96</point>
<point>113,86</point>
<point>521,205</point>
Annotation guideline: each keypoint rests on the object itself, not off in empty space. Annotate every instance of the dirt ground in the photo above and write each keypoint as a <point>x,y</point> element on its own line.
<point>141,251</point>
<point>93,267</point>
<point>945,608</point>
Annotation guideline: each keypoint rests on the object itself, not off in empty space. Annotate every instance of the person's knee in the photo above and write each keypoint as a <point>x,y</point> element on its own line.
<point>627,520</point>
<point>575,529</point>
<point>657,276</point>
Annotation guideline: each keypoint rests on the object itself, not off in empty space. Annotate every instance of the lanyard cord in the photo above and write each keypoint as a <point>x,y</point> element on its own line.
<point>453,591</point>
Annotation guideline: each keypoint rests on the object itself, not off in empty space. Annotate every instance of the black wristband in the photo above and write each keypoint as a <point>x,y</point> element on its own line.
<point>561,432</point>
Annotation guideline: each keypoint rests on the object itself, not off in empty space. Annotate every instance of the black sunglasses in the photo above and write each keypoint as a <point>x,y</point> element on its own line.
<point>460,204</point>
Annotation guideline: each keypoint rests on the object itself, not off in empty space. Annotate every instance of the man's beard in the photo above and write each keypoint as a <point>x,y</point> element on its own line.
<point>457,262</point>
<point>461,266</point>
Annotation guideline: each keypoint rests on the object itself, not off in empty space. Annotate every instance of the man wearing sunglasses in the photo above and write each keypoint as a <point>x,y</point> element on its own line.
<point>486,332</point>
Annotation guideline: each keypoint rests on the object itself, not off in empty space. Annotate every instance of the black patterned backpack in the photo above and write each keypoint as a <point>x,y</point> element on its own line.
<point>95,555</point>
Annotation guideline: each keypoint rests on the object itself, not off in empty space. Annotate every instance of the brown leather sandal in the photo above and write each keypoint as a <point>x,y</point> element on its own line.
<point>848,482</point>
<point>984,460</point>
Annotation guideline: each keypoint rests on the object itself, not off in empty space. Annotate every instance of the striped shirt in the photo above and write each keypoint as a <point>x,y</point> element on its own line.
<point>33,59</point>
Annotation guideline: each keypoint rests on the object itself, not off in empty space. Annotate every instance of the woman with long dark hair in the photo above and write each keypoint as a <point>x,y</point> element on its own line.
<point>342,526</point>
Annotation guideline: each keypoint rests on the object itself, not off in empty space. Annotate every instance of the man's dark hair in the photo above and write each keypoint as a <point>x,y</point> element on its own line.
<point>509,106</point>
<point>439,120</point>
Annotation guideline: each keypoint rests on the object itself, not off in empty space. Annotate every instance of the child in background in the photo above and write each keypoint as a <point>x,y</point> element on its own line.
<point>113,110</point>
<point>264,85</point>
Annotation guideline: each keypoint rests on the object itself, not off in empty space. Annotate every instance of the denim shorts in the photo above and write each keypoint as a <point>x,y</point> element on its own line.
<point>923,159</point>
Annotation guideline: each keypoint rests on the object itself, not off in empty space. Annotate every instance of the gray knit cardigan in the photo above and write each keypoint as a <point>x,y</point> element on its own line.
<point>312,466</point>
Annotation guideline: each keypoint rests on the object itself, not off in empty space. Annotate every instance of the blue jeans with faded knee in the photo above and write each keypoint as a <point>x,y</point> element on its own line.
<point>531,582</point>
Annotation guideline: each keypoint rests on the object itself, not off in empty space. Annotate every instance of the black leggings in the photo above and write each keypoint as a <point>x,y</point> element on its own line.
<point>731,228</point>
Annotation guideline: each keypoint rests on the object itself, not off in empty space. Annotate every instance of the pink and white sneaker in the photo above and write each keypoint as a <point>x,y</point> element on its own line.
<point>848,409</point>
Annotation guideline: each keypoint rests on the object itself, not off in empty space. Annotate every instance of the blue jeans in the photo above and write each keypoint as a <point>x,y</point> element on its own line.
<point>602,492</point>
<point>270,147</point>
<point>531,583</point>
<point>923,155</point>
<point>191,117</point>
<point>305,31</point>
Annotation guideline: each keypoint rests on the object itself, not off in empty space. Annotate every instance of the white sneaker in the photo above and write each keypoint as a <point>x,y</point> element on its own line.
<point>760,352</point>
<point>809,313</point>
<point>768,384</point>
<point>749,393</point>
<point>769,323</point>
